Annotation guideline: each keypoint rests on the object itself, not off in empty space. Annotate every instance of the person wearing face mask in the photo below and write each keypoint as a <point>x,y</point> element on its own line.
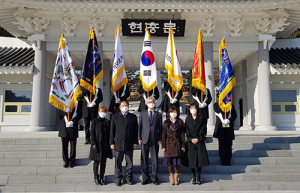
<point>123,139</point>
<point>90,110</point>
<point>153,93</point>
<point>195,128</point>
<point>100,149</point>
<point>149,136</point>
<point>203,107</point>
<point>173,142</point>
<point>224,131</point>
<point>68,131</point>
<point>168,100</point>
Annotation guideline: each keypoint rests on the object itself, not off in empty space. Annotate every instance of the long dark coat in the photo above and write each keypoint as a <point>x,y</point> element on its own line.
<point>123,131</point>
<point>197,92</point>
<point>143,105</point>
<point>113,106</point>
<point>197,153</point>
<point>100,129</point>
<point>173,138</point>
<point>220,132</point>
<point>69,132</point>
<point>91,112</point>
<point>167,104</point>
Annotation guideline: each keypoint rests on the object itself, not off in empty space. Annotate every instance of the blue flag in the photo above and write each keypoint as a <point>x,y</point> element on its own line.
<point>227,79</point>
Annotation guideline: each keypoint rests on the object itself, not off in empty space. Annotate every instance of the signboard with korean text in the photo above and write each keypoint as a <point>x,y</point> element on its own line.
<point>136,27</point>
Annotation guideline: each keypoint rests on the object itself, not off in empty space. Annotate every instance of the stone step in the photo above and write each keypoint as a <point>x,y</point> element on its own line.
<point>209,139</point>
<point>226,187</point>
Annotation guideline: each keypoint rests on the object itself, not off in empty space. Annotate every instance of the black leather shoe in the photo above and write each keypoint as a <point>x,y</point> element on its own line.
<point>198,181</point>
<point>118,183</point>
<point>72,164</point>
<point>87,142</point>
<point>145,182</point>
<point>155,182</point>
<point>66,164</point>
<point>194,181</point>
<point>129,182</point>
<point>229,164</point>
<point>97,181</point>
<point>102,182</point>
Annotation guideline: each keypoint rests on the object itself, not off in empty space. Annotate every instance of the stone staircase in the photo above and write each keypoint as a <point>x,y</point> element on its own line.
<point>258,163</point>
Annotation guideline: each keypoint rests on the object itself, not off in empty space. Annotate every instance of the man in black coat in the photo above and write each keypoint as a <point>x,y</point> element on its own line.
<point>203,107</point>
<point>90,110</point>
<point>149,135</point>
<point>123,139</point>
<point>224,131</point>
<point>168,101</point>
<point>154,93</point>
<point>124,93</point>
<point>68,131</point>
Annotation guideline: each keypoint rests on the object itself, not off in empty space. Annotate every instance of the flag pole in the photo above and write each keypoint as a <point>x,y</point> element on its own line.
<point>171,87</point>
<point>68,116</point>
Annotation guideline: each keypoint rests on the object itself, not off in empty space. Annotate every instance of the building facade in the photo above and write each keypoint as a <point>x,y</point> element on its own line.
<point>252,29</point>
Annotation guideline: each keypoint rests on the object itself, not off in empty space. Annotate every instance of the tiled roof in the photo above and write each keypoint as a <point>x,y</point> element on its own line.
<point>285,57</point>
<point>16,57</point>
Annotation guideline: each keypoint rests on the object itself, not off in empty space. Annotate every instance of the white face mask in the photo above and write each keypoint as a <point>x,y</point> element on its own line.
<point>102,114</point>
<point>173,115</point>
<point>193,111</point>
<point>124,109</point>
<point>151,105</point>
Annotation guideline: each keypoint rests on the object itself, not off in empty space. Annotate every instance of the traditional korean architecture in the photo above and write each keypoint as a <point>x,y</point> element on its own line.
<point>266,68</point>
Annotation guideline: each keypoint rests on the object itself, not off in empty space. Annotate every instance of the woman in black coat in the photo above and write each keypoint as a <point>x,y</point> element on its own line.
<point>168,98</point>
<point>224,134</point>
<point>196,130</point>
<point>100,149</point>
<point>154,92</point>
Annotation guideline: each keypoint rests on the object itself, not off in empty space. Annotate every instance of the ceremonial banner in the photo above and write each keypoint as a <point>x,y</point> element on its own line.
<point>148,73</point>
<point>172,64</point>
<point>119,77</point>
<point>65,86</point>
<point>92,70</point>
<point>198,72</point>
<point>227,79</point>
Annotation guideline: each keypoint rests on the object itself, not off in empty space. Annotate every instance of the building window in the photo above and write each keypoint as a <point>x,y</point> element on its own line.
<point>285,101</point>
<point>17,102</point>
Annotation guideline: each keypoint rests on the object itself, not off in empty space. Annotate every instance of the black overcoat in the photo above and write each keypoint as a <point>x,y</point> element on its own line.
<point>113,106</point>
<point>227,132</point>
<point>167,103</point>
<point>197,153</point>
<point>100,129</point>
<point>143,105</point>
<point>123,131</point>
<point>70,132</point>
<point>91,112</point>
<point>197,92</point>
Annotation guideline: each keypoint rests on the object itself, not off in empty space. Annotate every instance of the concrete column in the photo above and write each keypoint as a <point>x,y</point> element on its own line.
<point>191,99</point>
<point>209,73</point>
<point>264,90</point>
<point>245,97</point>
<point>106,83</point>
<point>100,83</point>
<point>39,98</point>
<point>159,100</point>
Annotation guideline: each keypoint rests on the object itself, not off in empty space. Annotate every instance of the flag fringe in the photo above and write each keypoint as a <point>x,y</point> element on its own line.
<point>201,86</point>
<point>86,85</point>
<point>222,95</point>
<point>118,86</point>
<point>61,106</point>
<point>96,80</point>
<point>145,87</point>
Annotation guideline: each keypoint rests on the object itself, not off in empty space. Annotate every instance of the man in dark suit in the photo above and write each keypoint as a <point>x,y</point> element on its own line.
<point>90,110</point>
<point>123,139</point>
<point>149,135</point>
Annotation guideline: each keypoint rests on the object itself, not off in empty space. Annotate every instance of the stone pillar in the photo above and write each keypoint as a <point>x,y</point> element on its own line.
<point>100,83</point>
<point>191,99</point>
<point>39,98</point>
<point>159,100</point>
<point>245,97</point>
<point>106,83</point>
<point>209,73</point>
<point>264,90</point>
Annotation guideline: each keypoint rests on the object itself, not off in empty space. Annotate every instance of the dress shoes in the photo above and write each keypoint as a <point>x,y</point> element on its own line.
<point>66,164</point>
<point>129,182</point>
<point>145,182</point>
<point>194,181</point>
<point>118,183</point>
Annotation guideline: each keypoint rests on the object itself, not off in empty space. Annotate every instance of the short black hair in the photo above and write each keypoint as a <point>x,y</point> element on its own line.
<point>124,101</point>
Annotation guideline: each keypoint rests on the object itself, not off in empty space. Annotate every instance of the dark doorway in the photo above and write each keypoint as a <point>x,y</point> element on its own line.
<point>241,111</point>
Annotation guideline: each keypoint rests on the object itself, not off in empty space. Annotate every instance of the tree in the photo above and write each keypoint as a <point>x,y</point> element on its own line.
<point>4,33</point>
<point>296,34</point>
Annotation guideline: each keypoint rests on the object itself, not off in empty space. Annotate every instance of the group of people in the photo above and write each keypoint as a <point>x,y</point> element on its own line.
<point>183,142</point>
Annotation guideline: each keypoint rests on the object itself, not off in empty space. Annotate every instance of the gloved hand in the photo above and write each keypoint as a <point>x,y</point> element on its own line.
<point>67,110</point>
<point>118,100</point>
<point>95,148</point>
<point>202,105</point>
<point>226,121</point>
<point>93,104</point>
<point>69,124</point>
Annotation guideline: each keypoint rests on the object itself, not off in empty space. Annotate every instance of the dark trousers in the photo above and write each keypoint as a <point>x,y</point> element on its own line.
<point>102,168</point>
<point>225,150</point>
<point>118,164</point>
<point>153,150</point>
<point>87,123</point>
<point>65,144</point>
